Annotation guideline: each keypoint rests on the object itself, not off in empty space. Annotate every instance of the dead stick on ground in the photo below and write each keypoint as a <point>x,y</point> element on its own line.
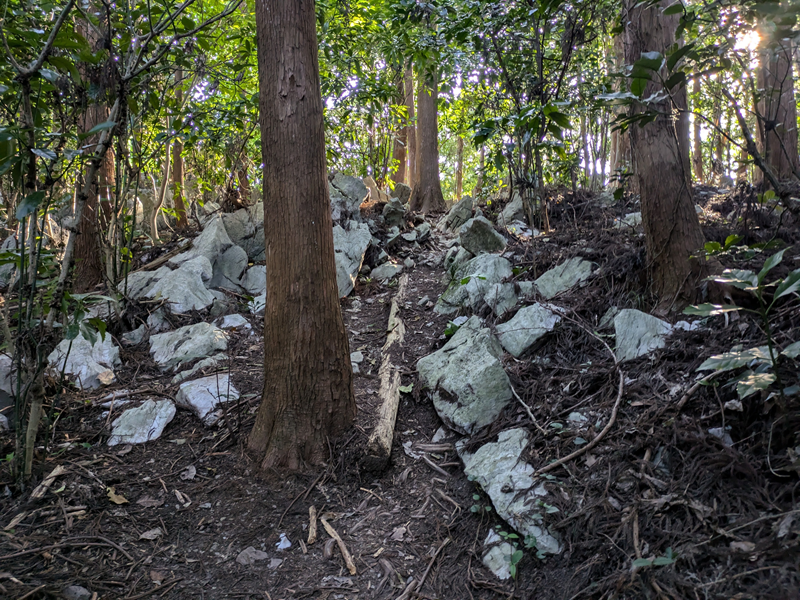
<point>596,440</point>
<point>528,410</point>
<point>348,560</point>
<point>312,524</point>
<point>412,589</point>
<point>42,488</point>
<point>694,388</point>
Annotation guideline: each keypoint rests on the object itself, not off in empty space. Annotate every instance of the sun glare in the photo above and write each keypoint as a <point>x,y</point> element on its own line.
<point>747,41</point>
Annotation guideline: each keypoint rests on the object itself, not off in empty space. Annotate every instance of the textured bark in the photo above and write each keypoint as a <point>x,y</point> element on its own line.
<point>427,196</point>
<point>482,164</point>
<point>697,143</point>
<point>244,183</point>
<point>459,167</point>
<point>660,153</point>
<point>777,129</point>
<point>308,391</point>
<point>400,138</point>
<point>411,129</point>
<point>178,199</point>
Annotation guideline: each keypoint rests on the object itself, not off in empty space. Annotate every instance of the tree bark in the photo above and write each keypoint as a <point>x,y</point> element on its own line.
<point>459,167</point>
<point>308,391</point>
<point>427,196</point>
<point>660,153</point>
<point>177,164</point>
<point>481,166</point>
<point>411,128</point>
<point>244,183</point>
<point>400,138</point>
<point>697,142</point>
<point>620,140</point>
<point>777,125</point>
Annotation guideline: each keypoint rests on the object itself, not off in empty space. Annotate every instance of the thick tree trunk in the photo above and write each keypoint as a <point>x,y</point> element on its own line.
<point>400,138</point>
<point>697,142</point>
<point>411,128</point>
<point>308,391</point>
<point>427,196</point>
<point>660,153</point>
<point>777,127</point>
<point>459,167</point>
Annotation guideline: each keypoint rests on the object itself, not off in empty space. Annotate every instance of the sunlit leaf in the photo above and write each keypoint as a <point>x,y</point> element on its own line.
<point>733,360</point>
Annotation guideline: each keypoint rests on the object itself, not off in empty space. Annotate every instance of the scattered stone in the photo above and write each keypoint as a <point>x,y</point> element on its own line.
<point>90,364</point>
<point>409,263</point>
<point>457,216</point>
<point>466,379</point>
<point>356,357</point>
<point>423,232</point>
<point>212,362</point>
<point>423,301</point>
<point>7,270</point>
<point>75,592</point>
<point>143,423</point>
<point>402,192</point>
<point>157,321</point>
<point>479,237</point>
<point>135,337</point>
<point>255,280</point>
<point>638,333</point>
<point>245,228</point>
<point>498,558</point>
<point>211,243</point>
<point>350,245</point>
<point>386,271</point>
<point>203,396</point>
<point>501,297</point>
<point>563,277</point>
<point>471,281</point>
<point>410,237</point>
<point>517,496</point>
<point>184,345</point>
<point>375,194</point>
<point>607,320</point>
<point>235,322</point>
<point>184,289</point>
<point>513,211</point>
<point>7,378</point>
<point>347,194</point>
<point>394,213</point>
<point>521,229</point>
<point>136,285</point>
<point>528,326</point>
<point>632,220</point>
<point>229,268</point>
<point>250,555</point>
<point>722,434</point>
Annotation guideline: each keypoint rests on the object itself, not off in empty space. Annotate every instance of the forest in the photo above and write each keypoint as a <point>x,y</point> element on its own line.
<point>403,299</point>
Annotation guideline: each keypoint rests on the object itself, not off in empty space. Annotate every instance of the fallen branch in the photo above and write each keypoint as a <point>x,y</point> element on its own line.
<point>312,524</point>
<point>42,488</point>
<point>348,559</point>
<point>414,587</point>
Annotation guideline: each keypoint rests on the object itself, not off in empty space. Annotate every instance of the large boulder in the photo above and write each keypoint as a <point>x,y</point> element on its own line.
<point>211,243</point>
<point>526,328</point>
<point>402,192</point>
<point>245,227</point>
<point>501,298</point>
<point>513,211</point>
<point>255,280</point>
<point>91,365</point>
<point>471,282</point>
<point>175,348</point>
<point>229,268</point>
<point>137,285</point>
<point>457,216</point>
<point>466,379</point>
<point>350,245</point>
<point>638,333</point>
<point>347,195</point>
<point>518,496</point>
<point>386,271</point>
<point>394,213</point>
<point>143,423</point>
<point>563,277</point>
<point>479,237</point>
<point>204,396</point>
<point>184,288</point>
<point>375,194</point>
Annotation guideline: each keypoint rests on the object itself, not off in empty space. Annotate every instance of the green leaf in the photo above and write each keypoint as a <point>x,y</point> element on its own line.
<point>663,561</point>
<point>29,204</point>
<point>516,557</point>
<point>789,285</point>
<point>465,281</point>
<point>675,79</point>
<point>710,310</point>
<point>6,166</point>
<point>738,278</point>
<point>100,325</point>
<point>406,389</point>
<point>650,60</point>
<point>792,350</point>
<point>675,9</point>
<point>733,360</point>
<point>49,75</point>
<point>772,262</point>
<point>561,119</point>
<point>712,247</point>
<point>732,240</point>
<point>97,129</point>
<point>637,86</point>
<point>642,562</point>
<point>673,58</point>
<point>751,382</point>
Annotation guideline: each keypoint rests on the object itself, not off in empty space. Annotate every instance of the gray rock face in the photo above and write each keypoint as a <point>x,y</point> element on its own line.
<point>203,396</point>
<point>394,213</point>
<point>526,328</point>
<point>184,288</point>
<point>563,277</point>
<point>501,297</point>
<point>638,333</point>
<point>75,592</point>
<point>632,220</point>
<point>255,280</point>
<point>471,281</point>
<point>458,215</point>
<point>479,237</point>
<point>143,423</point>
<point>498,557</point>
<point>135,337</point>
<point>347,194</point>
<point>423,232</point>
<point>402,192</point>
<point>7,271</point>
<point>186,344</point>
<point>513,211</point>
<point>138,284</point>
<point>520,229</point>
<point>235,323</point>
<point>211,243</point>
<point>229,268</point>
<point>386,271</point>
<point>245,227</point>
<point>349,246</point>
<point>455,257</point>
<point>517,496</point>
<point>212,362</point>
<point>91,366</point>
<point>466,380</point>
<point>7,378</point>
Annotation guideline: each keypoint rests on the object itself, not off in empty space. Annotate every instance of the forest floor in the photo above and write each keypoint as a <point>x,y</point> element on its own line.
<point>174,518</point>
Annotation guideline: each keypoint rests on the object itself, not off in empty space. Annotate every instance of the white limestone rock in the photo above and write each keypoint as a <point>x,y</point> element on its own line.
<point>386,271</point>
<point>184,289</point>
<point>471,281</point>
<point>175,348</point>
<point>528,326</point>
<point>638,333</point>
<point>479,237</point>
<point>90,365</point>
<point>349,245</point>
<point>255,280</point>
<point>347,194</point>
<point>563,277</point>
<point>143,423</point>
<point>204,396</point>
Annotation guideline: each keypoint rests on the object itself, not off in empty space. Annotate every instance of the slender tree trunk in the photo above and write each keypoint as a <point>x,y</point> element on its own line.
<point>620,140</point>
<point>160,195</point>
<point>660,152</point>
<point>427,196</point>
<point>777,127</point>
<point>459,167</point>
<point>400,138</point>
<point>411,128</point>
<point>482,165</point>
<point>308,391</point>
<point>697,154</point>
<point>178,199</point>
<point>244,183</point>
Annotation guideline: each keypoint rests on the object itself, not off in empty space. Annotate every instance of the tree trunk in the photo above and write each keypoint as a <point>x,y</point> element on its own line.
<point>482,165</point>
<point>697,154</point>
<point>400,138</point>
<point>427,196</point>
<point>620,140</point>
<point>160,194</point>
<point>660,153</point>
<point>411,128</point>
<point>777,127</point>
<point>177,164</point>
<point>244,183</point>
<point>308,392</point>
<point>459,167</point>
